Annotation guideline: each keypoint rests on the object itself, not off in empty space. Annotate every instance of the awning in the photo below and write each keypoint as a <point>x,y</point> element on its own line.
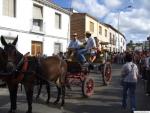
<point>104,43</point>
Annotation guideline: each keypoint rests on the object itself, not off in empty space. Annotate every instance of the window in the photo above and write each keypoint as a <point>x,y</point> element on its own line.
<point>100,30</point>
<point>113,49</point>
<point>105,33</point>
<point>91,26</point>
<point>37,18</point>
<point>113,39</point>
<point>110,38</point>
<point>9,8</point>
<point>37,48</point>
<point>57,21</point>
<point>57,48</point>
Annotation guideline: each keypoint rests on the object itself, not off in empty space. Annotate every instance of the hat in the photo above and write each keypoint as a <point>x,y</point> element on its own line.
<point>75,34</point>
<point>88,32</point>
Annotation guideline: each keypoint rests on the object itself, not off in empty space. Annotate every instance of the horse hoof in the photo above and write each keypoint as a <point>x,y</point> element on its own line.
<point>29,112</point>
<point>56,102</point>
<point>12,111</point>
<point>62,109</point>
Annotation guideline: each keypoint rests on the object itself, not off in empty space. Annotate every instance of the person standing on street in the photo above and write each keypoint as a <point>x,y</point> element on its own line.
<point>129,75</point>
<point>147,60</point>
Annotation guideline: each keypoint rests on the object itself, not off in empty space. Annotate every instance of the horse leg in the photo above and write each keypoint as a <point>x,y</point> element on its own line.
<point>63,95</point>
<point>13,97</point>
<point>39,90</point>
<point>58,95</point>
<point>29,95</point>
<point>48,88</point>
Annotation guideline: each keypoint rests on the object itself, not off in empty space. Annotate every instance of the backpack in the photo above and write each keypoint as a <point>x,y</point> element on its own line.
<point>131,76</point>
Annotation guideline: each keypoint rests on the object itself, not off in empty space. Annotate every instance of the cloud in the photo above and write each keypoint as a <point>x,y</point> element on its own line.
<point>90,6</point>
<point>135,24</point>
<point>112,3</point>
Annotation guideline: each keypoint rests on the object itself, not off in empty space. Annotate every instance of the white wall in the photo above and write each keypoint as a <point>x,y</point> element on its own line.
<point>22,23</point>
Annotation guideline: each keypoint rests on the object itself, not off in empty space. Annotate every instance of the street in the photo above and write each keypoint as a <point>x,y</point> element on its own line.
<point>106,99</point>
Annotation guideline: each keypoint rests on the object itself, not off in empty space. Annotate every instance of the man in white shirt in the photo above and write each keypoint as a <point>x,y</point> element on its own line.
<point>89,48</point>
<point>129,79</point>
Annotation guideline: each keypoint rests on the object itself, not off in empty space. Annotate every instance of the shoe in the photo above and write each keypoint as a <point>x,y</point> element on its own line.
<point>84,63</point>
<point>147,94</point>
<point>132,110</point>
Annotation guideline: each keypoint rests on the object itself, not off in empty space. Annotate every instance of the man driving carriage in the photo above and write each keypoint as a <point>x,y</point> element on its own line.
<point>90,48</point>
<point>79,50</point>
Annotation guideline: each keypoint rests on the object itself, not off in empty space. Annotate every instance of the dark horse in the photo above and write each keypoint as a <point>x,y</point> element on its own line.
<point>3,60</point>
<point>50,69</point>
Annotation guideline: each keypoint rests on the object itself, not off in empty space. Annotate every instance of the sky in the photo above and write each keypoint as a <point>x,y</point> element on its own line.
<point>134,22</point>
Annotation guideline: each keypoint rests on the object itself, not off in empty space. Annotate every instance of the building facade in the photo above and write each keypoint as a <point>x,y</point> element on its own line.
<point>110,38</point>
<point>42,27</point>
<point>117,41</point>
<point>82,22</point>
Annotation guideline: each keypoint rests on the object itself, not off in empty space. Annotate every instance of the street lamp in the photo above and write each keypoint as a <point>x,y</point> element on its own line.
<point>148,38</point>
<point>130,6</point>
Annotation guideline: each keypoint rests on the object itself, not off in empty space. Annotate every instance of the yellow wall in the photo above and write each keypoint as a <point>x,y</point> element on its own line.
<point>102,36</point>
<point>87,25</point>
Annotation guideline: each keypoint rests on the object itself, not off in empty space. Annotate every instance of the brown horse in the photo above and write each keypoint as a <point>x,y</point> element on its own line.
<point>50,69</point>
<point>3,62</point>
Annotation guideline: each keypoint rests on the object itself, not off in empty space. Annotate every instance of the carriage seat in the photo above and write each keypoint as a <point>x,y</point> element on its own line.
<point>74,67</point>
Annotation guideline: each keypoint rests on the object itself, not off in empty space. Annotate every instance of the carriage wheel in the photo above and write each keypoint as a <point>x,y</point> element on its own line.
<point>107,73</point>
<point>88,87</point>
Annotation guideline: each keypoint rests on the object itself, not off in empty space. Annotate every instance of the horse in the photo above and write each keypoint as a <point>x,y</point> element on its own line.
<point>2,60</point>
<point>50,69</point>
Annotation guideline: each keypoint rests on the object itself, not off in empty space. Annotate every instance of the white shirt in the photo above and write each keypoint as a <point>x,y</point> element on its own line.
<point>90,43</point>
<point>129,72</point>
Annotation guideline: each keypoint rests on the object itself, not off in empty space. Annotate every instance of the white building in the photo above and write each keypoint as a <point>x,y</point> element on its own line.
<point>117,40</point>
<point>122,43</point>
<point>40,25</point>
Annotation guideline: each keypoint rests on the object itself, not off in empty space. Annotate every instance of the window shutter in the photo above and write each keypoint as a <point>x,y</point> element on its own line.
<point>37,12</point>
<point>57,20</point>
<point>5,7</point>
<point>11,8</point>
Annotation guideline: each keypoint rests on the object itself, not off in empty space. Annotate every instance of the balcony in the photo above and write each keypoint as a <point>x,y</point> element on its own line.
<point>37,26</point>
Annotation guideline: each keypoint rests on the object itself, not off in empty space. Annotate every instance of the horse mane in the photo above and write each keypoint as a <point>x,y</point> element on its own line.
<point>19,56</point>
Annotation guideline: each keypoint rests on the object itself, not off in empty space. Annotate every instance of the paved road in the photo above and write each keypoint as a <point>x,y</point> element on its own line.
<point>106,99</point>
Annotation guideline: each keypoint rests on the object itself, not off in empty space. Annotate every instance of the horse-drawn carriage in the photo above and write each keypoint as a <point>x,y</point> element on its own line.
<point>50,69</point>
<point>80,73</point>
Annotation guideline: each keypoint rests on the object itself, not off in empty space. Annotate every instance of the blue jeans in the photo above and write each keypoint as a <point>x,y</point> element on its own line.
<point>131,87</point>
<point>80,55</point>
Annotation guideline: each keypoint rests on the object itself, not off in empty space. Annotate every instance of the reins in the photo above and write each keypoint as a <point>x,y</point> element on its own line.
<point>24,68</point>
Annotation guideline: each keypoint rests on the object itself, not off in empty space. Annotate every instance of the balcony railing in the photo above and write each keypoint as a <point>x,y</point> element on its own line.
<point>37,28</point>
